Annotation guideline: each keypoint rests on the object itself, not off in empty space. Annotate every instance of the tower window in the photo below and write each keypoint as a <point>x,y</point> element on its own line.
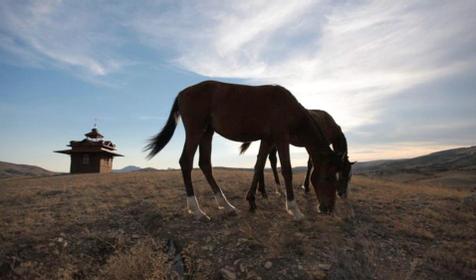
<point>86,159</point>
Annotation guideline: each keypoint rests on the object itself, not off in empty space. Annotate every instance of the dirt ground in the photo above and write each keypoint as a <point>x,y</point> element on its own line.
<point>134,226</point>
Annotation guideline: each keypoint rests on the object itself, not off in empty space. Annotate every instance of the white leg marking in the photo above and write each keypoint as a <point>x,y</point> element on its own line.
<point>223,203</point>
<point>293,210</point>
<point>220,201</point>
<point>194,209</point>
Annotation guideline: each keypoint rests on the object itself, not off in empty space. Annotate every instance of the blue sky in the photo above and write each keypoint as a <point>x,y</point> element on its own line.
<point>398,76</point>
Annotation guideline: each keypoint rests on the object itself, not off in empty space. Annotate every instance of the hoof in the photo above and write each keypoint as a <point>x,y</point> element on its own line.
<point>252,203</point>
<point>203,218</point>
<point>324,211</point>
<point>252,207</point>
<point>223,203</point>
<point>200,216</point>
<point>298,217</point>
<point>194,209</point>
<point>231,213</point>
<point>230,210</point>
<point>294,211</point>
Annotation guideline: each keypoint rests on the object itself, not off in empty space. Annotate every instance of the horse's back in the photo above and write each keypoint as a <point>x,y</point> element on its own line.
<point>225,93</point>
<point>240,112</point>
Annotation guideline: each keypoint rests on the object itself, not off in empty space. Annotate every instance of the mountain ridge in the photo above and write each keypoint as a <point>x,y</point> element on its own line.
<point>446,160</point>
<point>463,159</point>
<point>8,170</point>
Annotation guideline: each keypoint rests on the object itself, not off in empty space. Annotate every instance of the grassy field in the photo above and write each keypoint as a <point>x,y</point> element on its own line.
<point>134,226</point>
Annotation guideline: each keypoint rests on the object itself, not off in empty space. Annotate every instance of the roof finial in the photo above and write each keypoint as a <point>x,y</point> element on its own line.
<point>95,122</point>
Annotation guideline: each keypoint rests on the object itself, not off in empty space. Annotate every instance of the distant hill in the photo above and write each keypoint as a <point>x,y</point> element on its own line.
<point>133,168</point>
<point>8,170</point>
<point>129,168</point>
<point>447,160</point>
<point>443,166</point>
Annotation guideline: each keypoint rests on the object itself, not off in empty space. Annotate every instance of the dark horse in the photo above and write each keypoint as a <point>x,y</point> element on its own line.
<point>334,136</point>
<point>248,113</point>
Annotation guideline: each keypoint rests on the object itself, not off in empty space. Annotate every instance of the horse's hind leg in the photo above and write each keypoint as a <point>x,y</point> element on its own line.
<point>206,167</point>
<point>259,166</point>
<point>261,186</point>
<point>274,160</point>
<point>186,163</point>
<point>308,173</point>
<point>291,206</point>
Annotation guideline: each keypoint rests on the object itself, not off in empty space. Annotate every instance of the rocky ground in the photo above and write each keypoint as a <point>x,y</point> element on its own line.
<point>134,226</point>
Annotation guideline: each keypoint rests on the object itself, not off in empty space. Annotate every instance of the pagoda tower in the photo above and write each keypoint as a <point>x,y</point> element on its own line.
<point>92,154</point>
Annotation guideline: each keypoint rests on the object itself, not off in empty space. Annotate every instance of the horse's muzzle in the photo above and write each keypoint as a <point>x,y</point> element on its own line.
<point>342,195</point>
<point>321,209</point>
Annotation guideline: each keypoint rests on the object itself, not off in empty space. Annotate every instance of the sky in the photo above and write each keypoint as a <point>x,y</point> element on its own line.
<point>398,76</point>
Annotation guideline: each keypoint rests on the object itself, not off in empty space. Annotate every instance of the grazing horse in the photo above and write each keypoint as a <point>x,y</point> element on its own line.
<point>242,113</point>
<point>335,137</point>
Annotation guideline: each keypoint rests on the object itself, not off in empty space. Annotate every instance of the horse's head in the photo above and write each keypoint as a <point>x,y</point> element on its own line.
<point>331,177</point>
<point>344,174</point>
<point>324,181</point>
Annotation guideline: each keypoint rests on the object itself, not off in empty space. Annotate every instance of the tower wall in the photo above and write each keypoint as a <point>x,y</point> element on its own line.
<point>85,163</point>
<point>105,164</point>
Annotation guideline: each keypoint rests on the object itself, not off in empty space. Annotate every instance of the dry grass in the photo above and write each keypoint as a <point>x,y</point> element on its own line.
<point>118,226</point>
<point>418,222</point>
<point>143,261</point>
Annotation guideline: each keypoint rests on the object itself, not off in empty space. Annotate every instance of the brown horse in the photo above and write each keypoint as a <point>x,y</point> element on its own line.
<point>335,137</point>
<point>248,113</point>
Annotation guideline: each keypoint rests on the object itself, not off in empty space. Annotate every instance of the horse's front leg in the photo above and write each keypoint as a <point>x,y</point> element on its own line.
<point>291,205</point>
<point>261,185</point>
<point>205,164</point>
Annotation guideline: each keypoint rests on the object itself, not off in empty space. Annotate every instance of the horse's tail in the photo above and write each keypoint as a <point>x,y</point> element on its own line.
<point>244,147</point>
<point>158,142</point>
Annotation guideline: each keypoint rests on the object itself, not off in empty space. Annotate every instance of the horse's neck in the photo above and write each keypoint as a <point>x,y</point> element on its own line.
<point>315,140</point>
<point>340,143</point>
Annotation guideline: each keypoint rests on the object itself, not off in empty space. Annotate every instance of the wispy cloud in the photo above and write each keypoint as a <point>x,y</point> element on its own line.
<point>342,57</point>
<point>61,34</point>
<point>317,48</point>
